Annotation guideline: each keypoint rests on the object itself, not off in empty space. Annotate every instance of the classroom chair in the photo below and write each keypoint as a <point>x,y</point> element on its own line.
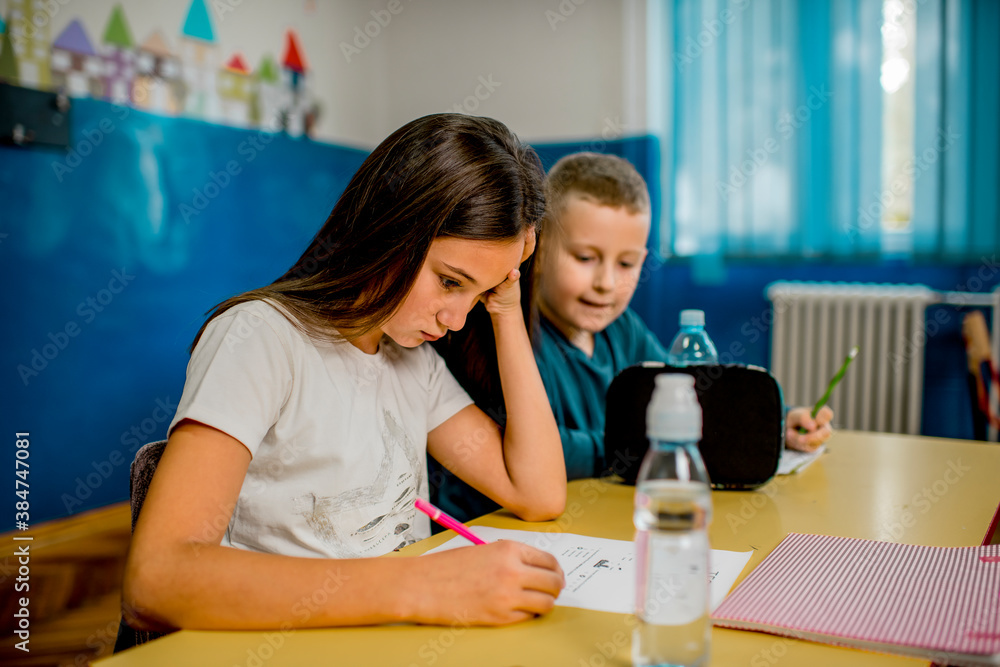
<point>982,372</point>
<point>141,473</point>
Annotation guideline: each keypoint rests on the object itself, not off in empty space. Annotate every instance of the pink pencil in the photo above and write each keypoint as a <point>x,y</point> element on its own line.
<point>447,521</point>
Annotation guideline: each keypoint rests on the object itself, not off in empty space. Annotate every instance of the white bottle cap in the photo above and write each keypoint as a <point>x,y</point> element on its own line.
<point>674,414</point>
<point>692,318</point>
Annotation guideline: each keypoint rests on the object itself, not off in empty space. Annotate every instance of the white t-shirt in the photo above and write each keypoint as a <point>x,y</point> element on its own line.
<point>338,437</point>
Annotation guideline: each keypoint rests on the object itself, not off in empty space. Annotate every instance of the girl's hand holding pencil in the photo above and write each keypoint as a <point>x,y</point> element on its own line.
<point>513,581</point>
<point>495,584</point>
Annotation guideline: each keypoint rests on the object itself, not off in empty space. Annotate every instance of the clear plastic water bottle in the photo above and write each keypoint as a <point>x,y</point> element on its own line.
<point>673,507</point>
<point>692,346</point>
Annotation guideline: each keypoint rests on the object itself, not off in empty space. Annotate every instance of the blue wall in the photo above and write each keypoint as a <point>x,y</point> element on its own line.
<point>141,203</point>
<point>113,253</point>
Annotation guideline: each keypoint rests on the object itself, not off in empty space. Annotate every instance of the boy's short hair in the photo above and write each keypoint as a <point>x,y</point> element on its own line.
<point>603,179</point>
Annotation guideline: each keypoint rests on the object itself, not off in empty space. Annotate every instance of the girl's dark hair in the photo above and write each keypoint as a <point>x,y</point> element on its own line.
<point>440,175</point>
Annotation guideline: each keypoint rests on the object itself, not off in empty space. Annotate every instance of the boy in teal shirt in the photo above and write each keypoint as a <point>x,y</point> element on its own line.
<point>576,383</point>
<point>596,228</point>
<point>589,259</point>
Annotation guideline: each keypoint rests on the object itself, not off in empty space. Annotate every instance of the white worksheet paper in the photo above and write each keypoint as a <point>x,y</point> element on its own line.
<point>793,461</point>
<point>600,573</point>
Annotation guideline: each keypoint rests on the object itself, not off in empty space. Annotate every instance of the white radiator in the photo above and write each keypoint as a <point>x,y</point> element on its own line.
<point>816,324</point>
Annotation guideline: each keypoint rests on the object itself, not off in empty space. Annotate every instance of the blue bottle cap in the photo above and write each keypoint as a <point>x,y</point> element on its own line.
<point>692,318</point>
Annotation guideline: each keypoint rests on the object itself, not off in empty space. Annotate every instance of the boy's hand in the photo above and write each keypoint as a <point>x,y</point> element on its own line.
<point>818,430</point>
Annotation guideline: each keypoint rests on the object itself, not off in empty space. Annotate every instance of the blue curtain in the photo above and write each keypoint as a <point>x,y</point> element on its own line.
<point>957,143</point>
<point>777,128</point>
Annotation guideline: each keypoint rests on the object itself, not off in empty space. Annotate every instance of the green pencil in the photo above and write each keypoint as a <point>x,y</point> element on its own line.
<point>833,383</point>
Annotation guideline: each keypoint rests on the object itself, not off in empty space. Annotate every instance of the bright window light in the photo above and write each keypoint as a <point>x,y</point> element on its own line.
<point>898,65</point>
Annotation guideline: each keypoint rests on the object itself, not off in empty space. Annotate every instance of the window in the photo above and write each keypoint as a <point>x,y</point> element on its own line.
<point>899,171</point>
<point>831,128</point>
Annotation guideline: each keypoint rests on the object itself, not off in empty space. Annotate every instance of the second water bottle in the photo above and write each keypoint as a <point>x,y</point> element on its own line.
<point>692,346</point>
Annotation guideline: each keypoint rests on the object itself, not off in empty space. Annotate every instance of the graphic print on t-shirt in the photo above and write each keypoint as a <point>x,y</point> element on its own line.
<point>362,521</point>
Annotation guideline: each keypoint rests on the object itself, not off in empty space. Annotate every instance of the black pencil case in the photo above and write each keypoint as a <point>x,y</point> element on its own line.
<point>743,422</point>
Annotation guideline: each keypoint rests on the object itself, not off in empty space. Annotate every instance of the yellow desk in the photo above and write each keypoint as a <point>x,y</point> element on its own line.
<point>894,488</point>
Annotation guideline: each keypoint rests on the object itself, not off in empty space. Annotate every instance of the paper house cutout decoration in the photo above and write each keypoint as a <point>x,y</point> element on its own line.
<point>294,107</point>
<point>158,84</point>
<point>8,60</point>
<point>270,96</point>
<point>236,91</point>
<point>118,51</point>
<point>31,46</point>
<point>200,58</point>
<point>153,76</point>
<point>77,69</point>
<point>198,24</point>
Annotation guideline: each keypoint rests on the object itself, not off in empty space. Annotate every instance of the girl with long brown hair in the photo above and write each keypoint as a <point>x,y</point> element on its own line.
<point>300,441</point>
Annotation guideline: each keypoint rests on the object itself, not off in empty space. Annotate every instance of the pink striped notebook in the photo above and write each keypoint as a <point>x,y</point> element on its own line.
<point>938,603</point>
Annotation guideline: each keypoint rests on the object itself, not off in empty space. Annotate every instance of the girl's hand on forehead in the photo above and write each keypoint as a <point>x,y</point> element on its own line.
<point>505,298</point>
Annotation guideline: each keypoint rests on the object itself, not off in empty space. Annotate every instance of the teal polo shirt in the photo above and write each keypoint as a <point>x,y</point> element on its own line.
<point>577,384</point>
